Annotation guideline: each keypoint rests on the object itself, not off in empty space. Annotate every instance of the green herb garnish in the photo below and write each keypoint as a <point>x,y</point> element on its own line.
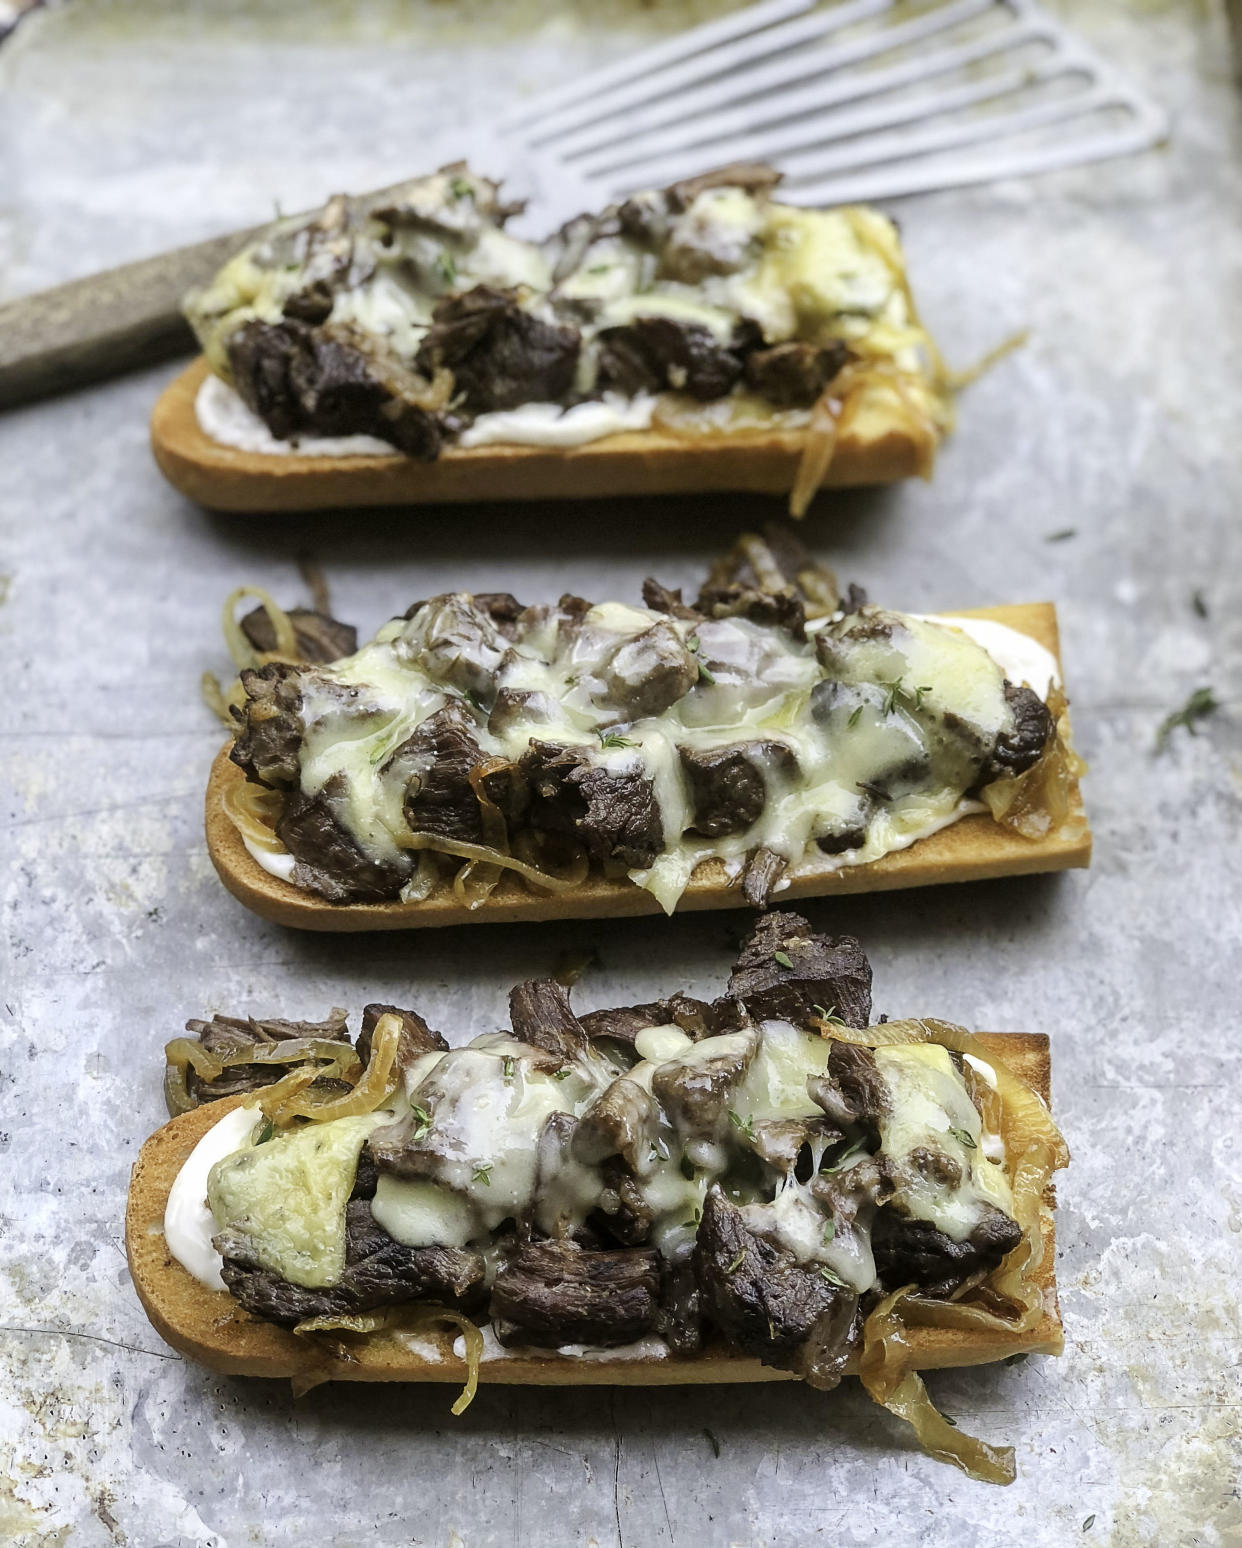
<point>1089,1523</point>
<point>266,1132</point>
<point>919,692</point>
<point>830,1016</point>
<point>600,268</point>
<point>706,677</point>
<point>732,1268</point>
<point>446,267</point>
<point>963,1138</point>
<point>614,739</point>
<point>1200,703</point>
<point>744,1126</point>
<point>423,1123</point>
<point>1061,535</point>
<point>848,1154</point>
<point>855,717</point>
<point>562,1074</point>
<point>1199,602</point>
<point>693,1223</point>
<point>460,188</point>
<point>509,1065</point>
<point>947,1420</point>
<point>473,698</point>
<point>830,1230</point>
<point>483,1173</point>
<point>891,691</point>
<point>783,958</point>
<point>826,1274</point>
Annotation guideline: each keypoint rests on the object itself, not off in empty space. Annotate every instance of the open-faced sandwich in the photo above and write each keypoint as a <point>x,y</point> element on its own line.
<point>409,348</point>
<point>757,1187</point>
<point>484,760</point>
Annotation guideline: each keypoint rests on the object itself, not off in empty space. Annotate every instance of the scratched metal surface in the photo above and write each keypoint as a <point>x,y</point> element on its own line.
<point>124,128</point>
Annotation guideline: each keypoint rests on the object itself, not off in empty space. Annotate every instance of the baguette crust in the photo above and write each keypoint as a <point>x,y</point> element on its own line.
<point>879,447</point>
<point>208,1326</point>
<point>973,849</point>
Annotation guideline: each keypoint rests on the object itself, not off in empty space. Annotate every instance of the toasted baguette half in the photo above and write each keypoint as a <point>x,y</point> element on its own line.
<point>879,447</point>
<point>210,1327</point>
<point>973,849</point>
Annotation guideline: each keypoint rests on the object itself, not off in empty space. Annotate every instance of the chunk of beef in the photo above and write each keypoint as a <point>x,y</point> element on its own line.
<point>455,642</point>
<point>766,1303</point>
<point>551,1293</point>
<point>514,705</point>
<point>268,741</point>
<point>1020,749</point>
<point>794,375</point>
<point>695,1018</point>
<point>775,563</point>
<point>437,761</point>
<point>416,1038</point>
<point>728,786</point>
<point>914,1252</point>
<point>649,672</point>
<point>755,177</point>
<point>623,1213</point>
<point>621,1025</point>
<point>621,1121</point>
<point>500,355</point>
<point>615,815</point>
<point>539,1014</point>
<point>852,1091</point>
<point>782,609</point>
<point>662,599</point>
<point>764,869</point>
<point>827,971</point>
<point>329,860</point>
<point>849,1193</point>
<point>696,1090</point>
<point>503,608</point>
<point>679,1316</point>
<point>229,1036</point>
<point>300,379</point>
<point>780,1141</point>
<point>317,637</point>
<point>312,304</point>
<point>378,1272</point>
<point>655,354</point>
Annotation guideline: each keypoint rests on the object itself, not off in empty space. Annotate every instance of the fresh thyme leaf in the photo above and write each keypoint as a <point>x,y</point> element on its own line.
<point>694,1220</point>
<point>826,1274</point>
<point>1200,703</point>
<point>829,1016</point>
<point>964,1138</point>
<point>855,717</point>
<point>1062,535</point>
<point>874,790</point>
<point>712,1442</point>
<point>744,1126</point>
<point>1089,1522</point>
<point>266,1132</point>
<point>483,1173</point>
<point>891,691</point>
<point>706,677</point>
<point>614,739</point>
<point>460,188</point>
<point>947,1420</point>
<point>446,267</point>
<point>600,268</point>
<point>783,958</point>
<point>830,1230</point>
<point>1199,602</point>
<point>732,1268</point>
<point>509,1066</point>
<point>848,1154</point>
<point>562,1074</point>
<point>474,699</point>
<point>692,643</point>
<point>423,1126</point>
<point>922,689</point>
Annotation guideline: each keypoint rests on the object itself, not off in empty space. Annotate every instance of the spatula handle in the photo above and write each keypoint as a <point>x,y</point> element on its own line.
<point>105,324</point>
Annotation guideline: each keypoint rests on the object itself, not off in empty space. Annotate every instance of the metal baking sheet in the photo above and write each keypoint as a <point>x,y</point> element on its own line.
<point>1098,466</point>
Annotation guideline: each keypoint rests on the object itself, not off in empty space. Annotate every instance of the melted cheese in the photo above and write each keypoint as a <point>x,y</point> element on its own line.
<point>481,1112</point>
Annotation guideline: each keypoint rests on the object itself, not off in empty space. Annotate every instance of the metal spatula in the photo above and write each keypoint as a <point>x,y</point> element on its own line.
<point>857,100</point>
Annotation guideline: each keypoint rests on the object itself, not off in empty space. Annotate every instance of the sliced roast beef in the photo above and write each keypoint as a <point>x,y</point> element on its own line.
<point>329,860</point>
<point>436,761</point>
<point>615,815</point>
<point>552,1293</point>
<point>539,1014</point>
<point>824,971</point>
<point>914,1252</point>
<point>230,1036</point>
<point>764,869</point>
<point>767,1304</point>
<point>317,637</point>
<point>378,1272</point>
<point>268,741</point>
<point>500,355</point>
<point>306,380</point>
<point>1020,749</point>
<point>662,599</point>
<point>656,354</point>
<point>794,375</point>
